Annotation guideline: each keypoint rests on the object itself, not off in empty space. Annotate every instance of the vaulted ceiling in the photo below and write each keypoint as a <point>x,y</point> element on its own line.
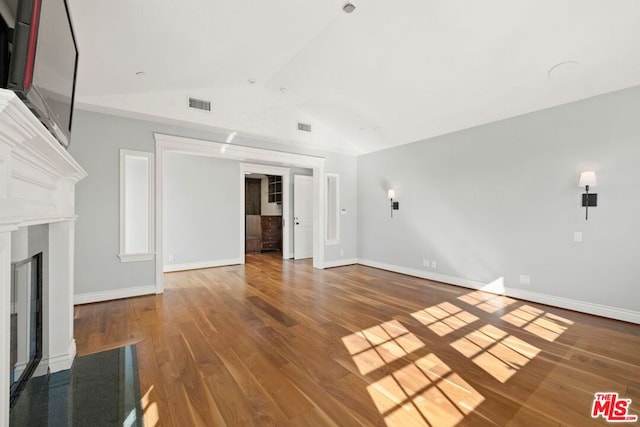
<point>389,73</point>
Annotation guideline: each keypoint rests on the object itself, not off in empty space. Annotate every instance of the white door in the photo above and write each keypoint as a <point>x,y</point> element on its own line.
<point>302,216</point>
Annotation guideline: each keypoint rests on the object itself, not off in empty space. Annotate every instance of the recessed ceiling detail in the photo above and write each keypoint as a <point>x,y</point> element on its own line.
<point>405,73</point>
<point>562,68</point>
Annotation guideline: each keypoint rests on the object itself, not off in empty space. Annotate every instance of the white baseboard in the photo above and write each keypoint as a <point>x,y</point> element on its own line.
<point>202,264</point>
<point>577,305</point>
<point>429,275</point>
<point>90,297</point>
<point>555,301</point>
<point>58,363</point>
<point>340,262</point>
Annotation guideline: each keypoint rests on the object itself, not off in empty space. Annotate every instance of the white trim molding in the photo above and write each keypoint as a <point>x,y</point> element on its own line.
<point>136,257</point>
<point>150,193</point>
<point>37,186</point>
<point>335,239</point>
<point>177,144</point>
<point>551,300</point>
<point>60,362</point>
<point>89,297</point>
<point>340,263</point>
<point>202,264</point>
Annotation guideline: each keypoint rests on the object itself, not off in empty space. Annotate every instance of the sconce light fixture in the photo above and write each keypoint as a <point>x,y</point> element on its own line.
<point>391,194</point>
<point>587,180</point>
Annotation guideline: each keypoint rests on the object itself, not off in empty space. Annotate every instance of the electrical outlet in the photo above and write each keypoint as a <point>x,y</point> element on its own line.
<point>170,257</point>
<point>577,236</point>
<point>341,252</point>
<point>524,279</point>
<point>426,263</point>
<point>433,264</point>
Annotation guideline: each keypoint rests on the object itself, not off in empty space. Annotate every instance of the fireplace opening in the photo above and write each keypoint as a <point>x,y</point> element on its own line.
<point>26,322</point>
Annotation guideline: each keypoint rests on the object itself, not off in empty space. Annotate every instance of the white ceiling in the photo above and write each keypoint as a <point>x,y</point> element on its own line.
<point>389,73</point>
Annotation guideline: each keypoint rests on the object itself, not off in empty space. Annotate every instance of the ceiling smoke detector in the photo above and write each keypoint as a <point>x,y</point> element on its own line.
<point>348,8</point>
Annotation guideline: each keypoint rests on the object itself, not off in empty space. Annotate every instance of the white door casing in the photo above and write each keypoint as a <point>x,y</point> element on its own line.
<point>171,143</point>
<point>302,216</point>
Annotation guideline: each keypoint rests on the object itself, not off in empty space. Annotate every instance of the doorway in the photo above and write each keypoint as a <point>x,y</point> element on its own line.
<point>263,217</point>
<point>265,209</point>
<point>166,144</point>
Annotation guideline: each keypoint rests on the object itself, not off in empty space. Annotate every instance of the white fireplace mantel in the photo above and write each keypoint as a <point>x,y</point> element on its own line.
<point>37,186</point>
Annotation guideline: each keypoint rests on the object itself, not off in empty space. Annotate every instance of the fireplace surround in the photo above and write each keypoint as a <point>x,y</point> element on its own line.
<point>37,187</point>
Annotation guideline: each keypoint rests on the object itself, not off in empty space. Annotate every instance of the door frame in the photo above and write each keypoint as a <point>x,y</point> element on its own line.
<point>246,168</point>
<point>201,147</point>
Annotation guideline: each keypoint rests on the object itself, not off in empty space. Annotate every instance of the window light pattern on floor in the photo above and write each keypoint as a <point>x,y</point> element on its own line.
<point>150,408</point>
<point>545,325</point>
<point>375,347</point>
<point>486,301</point>
<point>425,392</point>
<point>500,354</point>
<point>444,318</point>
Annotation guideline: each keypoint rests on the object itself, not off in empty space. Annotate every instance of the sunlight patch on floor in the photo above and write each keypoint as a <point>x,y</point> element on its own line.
<point>425,392</point>
<point>444,318</point>
<point>486,301</point>
<point>545,325</point>
<point>150,409</point>
<point>375,347</point>
<point>501,355</point>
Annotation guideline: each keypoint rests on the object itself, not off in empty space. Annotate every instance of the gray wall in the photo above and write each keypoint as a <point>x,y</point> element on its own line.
<point>501,200</point>
<point>96,141</point>
<point>201,219</point>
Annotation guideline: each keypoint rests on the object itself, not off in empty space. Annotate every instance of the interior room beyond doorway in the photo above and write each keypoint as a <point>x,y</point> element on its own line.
<point>263,213</point>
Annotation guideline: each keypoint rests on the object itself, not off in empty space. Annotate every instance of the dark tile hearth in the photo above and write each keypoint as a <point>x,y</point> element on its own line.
<point>100,389</point>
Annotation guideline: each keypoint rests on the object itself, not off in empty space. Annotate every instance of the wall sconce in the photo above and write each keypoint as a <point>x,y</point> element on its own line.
<point>391,194</point>
<point>588,179</point>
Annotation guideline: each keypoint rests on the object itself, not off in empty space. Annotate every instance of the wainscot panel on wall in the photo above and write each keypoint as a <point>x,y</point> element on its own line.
<point>500,204</point>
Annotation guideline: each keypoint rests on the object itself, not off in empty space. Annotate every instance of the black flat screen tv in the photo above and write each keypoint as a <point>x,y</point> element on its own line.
<point>43,63</point>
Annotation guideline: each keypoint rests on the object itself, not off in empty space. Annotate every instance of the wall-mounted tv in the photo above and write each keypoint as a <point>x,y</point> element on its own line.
<point>43,61</point>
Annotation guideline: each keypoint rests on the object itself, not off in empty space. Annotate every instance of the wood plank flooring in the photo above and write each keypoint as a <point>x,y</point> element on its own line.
<point>279,343</point>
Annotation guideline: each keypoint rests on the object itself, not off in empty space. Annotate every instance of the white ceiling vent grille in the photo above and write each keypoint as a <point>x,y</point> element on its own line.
<point>304,127</point>
<point>199,104</point>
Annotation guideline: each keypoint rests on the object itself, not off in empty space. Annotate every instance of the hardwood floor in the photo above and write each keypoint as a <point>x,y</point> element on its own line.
<point>279,343</point>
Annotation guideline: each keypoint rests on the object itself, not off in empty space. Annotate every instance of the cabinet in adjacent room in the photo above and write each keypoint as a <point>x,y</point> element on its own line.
<point>271,233</point>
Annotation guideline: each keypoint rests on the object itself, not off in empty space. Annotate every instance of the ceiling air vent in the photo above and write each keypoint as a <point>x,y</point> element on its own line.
<point>199,104</point>
<point>304,127</point>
